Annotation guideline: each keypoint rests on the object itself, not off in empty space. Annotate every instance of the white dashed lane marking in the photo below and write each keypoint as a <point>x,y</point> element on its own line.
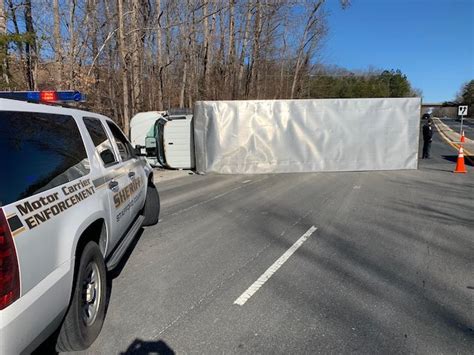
<point>244,297</point>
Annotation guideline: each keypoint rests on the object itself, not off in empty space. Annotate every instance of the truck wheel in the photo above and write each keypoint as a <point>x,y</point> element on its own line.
<point>151,210</point>
<point>86,313</point>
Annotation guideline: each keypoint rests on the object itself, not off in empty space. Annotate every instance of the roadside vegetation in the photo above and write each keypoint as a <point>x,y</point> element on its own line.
<point>138,55</point>
<point>466,96</point>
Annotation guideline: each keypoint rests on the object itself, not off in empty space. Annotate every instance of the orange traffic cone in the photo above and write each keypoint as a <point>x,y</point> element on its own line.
<point>463,139</point>
<point>460,167</point>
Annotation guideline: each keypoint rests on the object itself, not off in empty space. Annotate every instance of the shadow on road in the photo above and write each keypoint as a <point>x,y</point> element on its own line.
<point>385,255</point>
<point>123,261</point>
<point>453,158</point>
<point>148,347</point>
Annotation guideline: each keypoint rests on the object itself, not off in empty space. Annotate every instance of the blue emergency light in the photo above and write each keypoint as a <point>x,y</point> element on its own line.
<point>44,96</point>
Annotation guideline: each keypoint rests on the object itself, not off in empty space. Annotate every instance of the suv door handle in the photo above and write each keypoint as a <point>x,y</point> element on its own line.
<point>113,185</point>
<point>131,174</point>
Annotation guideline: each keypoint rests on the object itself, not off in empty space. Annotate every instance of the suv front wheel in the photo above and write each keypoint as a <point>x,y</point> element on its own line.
<point>86,313</point>
<point>151,211</point>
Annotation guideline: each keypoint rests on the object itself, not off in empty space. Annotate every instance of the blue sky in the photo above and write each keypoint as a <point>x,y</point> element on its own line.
<point>431,41</point>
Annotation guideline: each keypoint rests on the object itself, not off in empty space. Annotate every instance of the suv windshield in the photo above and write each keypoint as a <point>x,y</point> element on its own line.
<point>39,151</point>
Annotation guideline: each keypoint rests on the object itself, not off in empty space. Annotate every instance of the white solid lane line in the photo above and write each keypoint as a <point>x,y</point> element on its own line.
<point>272,269</point>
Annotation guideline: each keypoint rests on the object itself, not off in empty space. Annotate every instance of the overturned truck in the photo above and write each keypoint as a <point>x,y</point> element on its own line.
<point>283,136</point>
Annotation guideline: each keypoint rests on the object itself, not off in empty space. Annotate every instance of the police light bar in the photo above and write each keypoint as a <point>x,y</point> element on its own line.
<point>44,96</point>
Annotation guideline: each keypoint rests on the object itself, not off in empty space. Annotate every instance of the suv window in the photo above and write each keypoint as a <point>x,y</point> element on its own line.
<point>101,141</point>
<point>124,147</point>
<point>39,151</point>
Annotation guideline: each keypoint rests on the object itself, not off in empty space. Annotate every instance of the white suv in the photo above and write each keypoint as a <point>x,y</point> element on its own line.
<point>73,195</point>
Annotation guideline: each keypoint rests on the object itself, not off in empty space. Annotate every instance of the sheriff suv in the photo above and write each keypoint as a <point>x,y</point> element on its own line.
<point>73,195</point>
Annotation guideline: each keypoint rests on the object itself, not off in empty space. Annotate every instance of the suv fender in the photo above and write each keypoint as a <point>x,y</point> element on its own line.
<point>83,232</point>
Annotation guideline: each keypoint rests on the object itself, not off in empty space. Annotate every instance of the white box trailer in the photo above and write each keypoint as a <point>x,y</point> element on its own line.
<point>282,136</point>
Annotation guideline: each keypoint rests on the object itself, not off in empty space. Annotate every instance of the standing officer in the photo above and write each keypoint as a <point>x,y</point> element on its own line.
<point>427,138</point>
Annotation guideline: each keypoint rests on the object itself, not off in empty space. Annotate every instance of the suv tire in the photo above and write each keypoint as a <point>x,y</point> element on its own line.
<point>86,312</point>
<point>151,211</point>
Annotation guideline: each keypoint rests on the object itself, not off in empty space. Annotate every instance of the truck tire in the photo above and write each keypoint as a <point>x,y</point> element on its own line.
<point>86,312</point>
<point>151,211</point>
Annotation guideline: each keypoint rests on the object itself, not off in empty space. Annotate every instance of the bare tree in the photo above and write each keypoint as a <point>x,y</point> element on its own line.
<point>31,50</point>
<point>309,34</point>
<point>58,57</point>
<point>243,51</point>
<point>159,55</point>
<point>72,43</point>
<point>92,34</point>
<point>138,55</point>
<point>206,43</point>
<point>124,72</point>
<point>185,56</point>
<point>4,47</point>
<point>111,28</point>
<point>252,77</point>
<point>230,68</point>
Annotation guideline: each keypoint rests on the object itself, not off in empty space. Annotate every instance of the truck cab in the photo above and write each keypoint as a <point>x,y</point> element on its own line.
<point>175,141</point>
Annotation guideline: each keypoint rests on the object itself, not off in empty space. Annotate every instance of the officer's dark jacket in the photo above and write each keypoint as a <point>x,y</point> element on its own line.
<point>427,133</point>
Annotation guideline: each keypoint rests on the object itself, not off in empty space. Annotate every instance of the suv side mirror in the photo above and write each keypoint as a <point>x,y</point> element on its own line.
<point>138,150</point>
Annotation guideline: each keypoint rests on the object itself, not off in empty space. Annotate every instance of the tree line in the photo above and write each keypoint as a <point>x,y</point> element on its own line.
<point>139,55</point>
<point>466,96</point>
<point>334,83</point>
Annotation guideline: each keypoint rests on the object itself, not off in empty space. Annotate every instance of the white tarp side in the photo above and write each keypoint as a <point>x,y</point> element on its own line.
<point>280,136</point>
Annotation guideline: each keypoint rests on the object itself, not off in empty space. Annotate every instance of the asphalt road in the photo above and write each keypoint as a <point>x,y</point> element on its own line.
<point>455,125</point>
<point>389,268</point>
